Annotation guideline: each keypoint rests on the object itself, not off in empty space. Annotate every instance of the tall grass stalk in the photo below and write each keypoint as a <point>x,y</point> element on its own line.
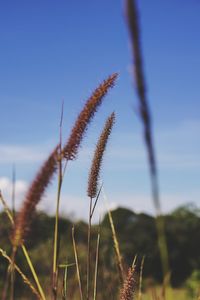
<point>25,252</point>
<point>93,183</point>
<point>116,247</point>
<point>88,251</point>
<point>134,261</point>
<point>55,247</point>
<point>133,25</point>
<point>96,200</point>
<point>77,264</point>
<point>60,180</point>
<point>23,276</point>
<point>140,278</point>
<point>12,275</point>
<point>96,266</point>
<point>91,212</point>
<point>70,151</point>
<point>28,259</point>
<point>115,241</point>
<point>12,282</point>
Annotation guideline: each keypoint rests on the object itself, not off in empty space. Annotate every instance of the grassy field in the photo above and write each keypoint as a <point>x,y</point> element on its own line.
<point>179,294</point>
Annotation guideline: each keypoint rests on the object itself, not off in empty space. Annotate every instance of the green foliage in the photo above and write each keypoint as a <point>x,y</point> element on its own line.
<point>193,284</point>
<point>136,234</point>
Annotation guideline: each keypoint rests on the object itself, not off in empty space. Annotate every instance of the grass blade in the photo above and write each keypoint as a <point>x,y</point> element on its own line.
<point>140,279</point>
<point>115,242</point>
<point>77,264</point>
<point>25,279</point>
<point>10,217</point>
<point>96,266</point>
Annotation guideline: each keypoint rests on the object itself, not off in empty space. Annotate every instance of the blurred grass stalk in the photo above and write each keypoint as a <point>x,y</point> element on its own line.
<point>133,26</point>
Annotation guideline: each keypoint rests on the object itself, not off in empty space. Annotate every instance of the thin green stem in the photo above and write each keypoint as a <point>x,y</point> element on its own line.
<point>65,283</point>
<point>96,200</point>
<point>33,272</point>
<point>140,279</point>
<point>12,283</point>
<point>56,231</point>
<point>55,248</point>
<point>96,266</point>
<point>25,279</point>
<point>88,250</point>
<point>12,275</point>
<point>134,261</point>
<point>77,264</point>
<point>115,242</point>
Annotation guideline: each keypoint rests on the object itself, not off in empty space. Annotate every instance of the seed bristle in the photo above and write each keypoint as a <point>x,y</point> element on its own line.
<point>71,148</point>
<point>98,156</point>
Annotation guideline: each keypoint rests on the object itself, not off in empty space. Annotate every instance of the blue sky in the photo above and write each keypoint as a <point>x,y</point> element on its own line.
<point>55,50</point>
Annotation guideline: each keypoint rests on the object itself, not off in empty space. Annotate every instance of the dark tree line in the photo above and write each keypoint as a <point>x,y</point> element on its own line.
<point>136,234</point>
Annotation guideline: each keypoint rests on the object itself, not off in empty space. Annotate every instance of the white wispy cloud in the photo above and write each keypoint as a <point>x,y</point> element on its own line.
<point>6,187</point>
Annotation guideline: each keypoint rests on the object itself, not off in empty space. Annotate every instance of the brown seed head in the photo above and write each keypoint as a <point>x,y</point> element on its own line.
<point>33,197</point>
<point>128,287</point>
<point>98,156</point>
<point>71,148</point>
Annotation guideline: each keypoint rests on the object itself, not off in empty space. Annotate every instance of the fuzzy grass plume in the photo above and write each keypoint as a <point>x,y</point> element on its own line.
<point>93,183</point>
<point>98,157</point>
<point>71,148</point>
<point>127,291</point>
<point>32,198</point>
